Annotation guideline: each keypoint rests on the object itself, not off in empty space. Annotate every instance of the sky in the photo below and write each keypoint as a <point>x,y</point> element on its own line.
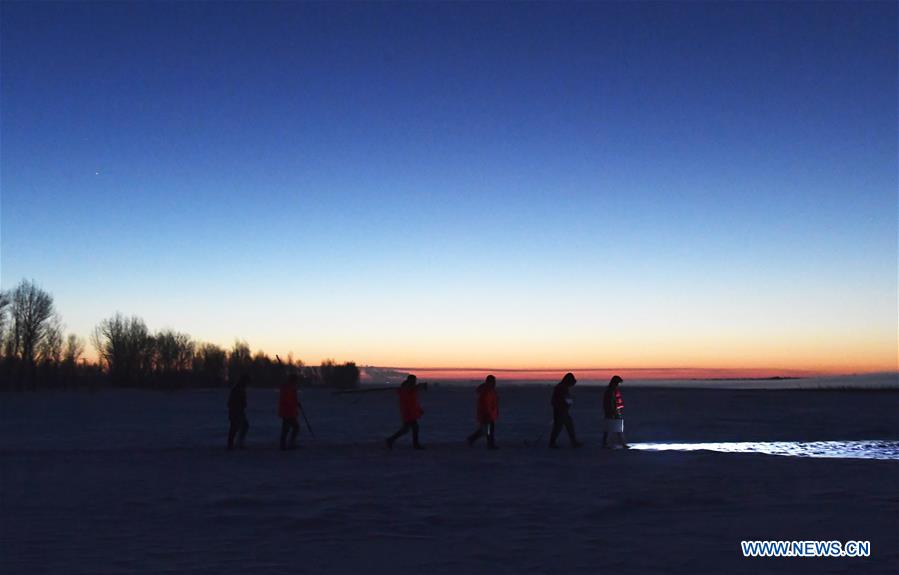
<point>640,185</point>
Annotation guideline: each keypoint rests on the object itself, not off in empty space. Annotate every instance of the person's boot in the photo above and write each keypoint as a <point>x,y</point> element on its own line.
<point>470,440</point>
<point>491,444</point>
<point>553,445</point>
<point>418,446</point>
<point>389,443</point>
<point>575,443</point>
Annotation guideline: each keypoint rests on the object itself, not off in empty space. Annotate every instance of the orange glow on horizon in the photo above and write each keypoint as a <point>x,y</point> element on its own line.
<point>602,374</point>
<point>532,352</point>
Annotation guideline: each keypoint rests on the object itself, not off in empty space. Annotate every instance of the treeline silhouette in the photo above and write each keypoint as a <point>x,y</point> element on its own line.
<point>36,353</point>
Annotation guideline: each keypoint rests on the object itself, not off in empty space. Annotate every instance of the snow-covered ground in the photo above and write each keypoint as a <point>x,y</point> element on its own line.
<point>140,482</point>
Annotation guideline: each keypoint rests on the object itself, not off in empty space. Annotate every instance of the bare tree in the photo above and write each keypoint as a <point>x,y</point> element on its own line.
<point>125,346</point>
<point>73,350</point>
<point>240,360</point>
<point>31,311</point>
<point>50,348</point>
<point>210,363</point>
<point>173,351</point>
<point>343,375</point>
<point>4,315</point>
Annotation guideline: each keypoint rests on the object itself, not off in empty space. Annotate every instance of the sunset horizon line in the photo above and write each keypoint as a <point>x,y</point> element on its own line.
<point>652,373</point>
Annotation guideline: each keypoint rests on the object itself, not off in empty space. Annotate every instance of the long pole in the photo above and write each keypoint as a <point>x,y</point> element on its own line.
<point>539,437</point>
<point>365,390</point>
<point>306,419</point>
<point>421,385</point>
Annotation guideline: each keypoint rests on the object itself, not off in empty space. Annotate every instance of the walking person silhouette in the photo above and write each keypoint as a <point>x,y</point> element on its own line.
<point>487,413</point>
<point>288,410</point>
<point>561,402</point>
<point>237,412</point>
<point>410,411</point>
<point>613,409</point>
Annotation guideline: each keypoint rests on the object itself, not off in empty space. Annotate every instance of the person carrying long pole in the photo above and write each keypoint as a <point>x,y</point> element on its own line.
<point>487,413</point>
<point>410,411</point>
<point>288,410</point>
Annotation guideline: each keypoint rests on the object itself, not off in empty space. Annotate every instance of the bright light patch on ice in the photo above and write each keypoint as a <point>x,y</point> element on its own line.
<point>834,449</point>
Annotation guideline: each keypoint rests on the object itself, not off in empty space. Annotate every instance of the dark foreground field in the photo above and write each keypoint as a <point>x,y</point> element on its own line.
<point>140,482</point>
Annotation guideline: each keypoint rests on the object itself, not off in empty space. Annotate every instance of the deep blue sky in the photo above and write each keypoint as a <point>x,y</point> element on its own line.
<point>465,184</point>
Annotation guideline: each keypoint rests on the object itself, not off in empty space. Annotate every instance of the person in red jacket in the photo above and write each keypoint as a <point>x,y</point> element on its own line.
<point>410,411</point>
<point>561,402</point>
<point>288,410</point>
<point>613,409</point>
<point>487,413</point>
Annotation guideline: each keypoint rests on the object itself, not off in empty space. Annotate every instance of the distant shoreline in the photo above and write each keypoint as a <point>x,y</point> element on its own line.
<point>848,383</point>
<point>881,381</point>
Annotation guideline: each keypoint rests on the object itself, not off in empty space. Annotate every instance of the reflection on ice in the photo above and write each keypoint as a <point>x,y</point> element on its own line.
<point>874,449</point>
